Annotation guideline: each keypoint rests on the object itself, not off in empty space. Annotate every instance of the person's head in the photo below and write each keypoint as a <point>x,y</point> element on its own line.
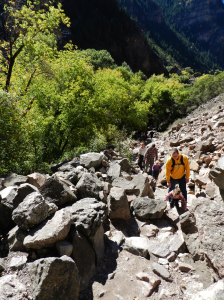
<point>157,162</point>
<point>153,146</point>
<point>175,153</point>
<point>176,191</point>
<point>142,144</point>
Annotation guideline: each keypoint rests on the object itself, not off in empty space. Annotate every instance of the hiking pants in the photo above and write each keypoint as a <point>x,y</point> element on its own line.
<point>140,161</point>
<point>182,185</point>
<point>149,164</point>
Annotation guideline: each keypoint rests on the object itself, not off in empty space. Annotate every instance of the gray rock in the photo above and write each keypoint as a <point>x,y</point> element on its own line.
<point>23,191</point>
<point>84,257</point>
<point>54,278</point>
<point>125,166</point>
<point>194,246</point>
<point>88,214</point>
<point>15,239</point>
<point>98,243</point>
<point>205,146</point>
<point>32,211</point>
<point>89,186</point>
<point>49,231</point>
<point>118,204</point>
<point>2,265</point>
<point>146,208</point>
<point>137,245</point>
<point>217,174</point>
<point>6,206</point>
<point>17,262</point>
<point>55,191</point>
<point>114,171</point>
<point>127,186</point>
<point>37,179</point>
<point>214,291</point>
<point>174,143</point>
<point>161,271</point>
<point>188,223</point>
<point>209,217</point>
<point>64,248</point>
<point>91,159</point>
<point>14,179</point>
<point>142,183</point>
<point>11,288</point>
<point>186,139</point>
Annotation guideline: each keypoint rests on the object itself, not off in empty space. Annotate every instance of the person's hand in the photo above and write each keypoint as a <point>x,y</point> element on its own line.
<point>169,184</point>
<point>187,180</point>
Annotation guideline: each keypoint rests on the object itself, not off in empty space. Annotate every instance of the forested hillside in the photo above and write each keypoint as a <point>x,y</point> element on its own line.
<point>173,47</point>
<point>200,21</point>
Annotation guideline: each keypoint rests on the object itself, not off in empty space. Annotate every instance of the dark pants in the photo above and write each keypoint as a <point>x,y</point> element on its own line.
<point>140,161</point>
<point>182,185</point>
<point>174,202</point>
<point>155,174</point>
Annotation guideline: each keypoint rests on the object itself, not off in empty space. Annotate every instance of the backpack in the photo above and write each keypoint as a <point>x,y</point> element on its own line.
<point>173,160</point>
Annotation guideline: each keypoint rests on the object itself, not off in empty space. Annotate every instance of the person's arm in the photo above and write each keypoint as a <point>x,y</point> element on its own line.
<point>187,168</point>
<point>170,194</point>
<point>168,170</point>
<point>156,154</point>
<point>146,154</point>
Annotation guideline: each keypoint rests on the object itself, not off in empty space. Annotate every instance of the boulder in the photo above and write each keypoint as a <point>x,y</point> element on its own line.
<point>91,159</point>
<point>15,239</point>
<point>32,211</point>
<point>12,288</point>
<point>55,191</point>
<point>161,271</point>
<point>217,174</point>
<point>211,190</point>
<point>146,208</point>
<point>186,139</point>
<point>141,183</point>
<point>14,179</point>
<point>54,278</point>
<point>89,186</point>
<point>7,196</point>
<point>125,166</point>
<point>88,214</point>
<point>214,291</point>
<point>114,171</point>
<point>84,257</point>
<point>127,186</point>
<point>188,223</point>
<point>118,204</point>
<point>174,143</point>
<point>209,217</point>
<point>64,248</point>
<point>194,166</point>
<point>17,262</point>
<point>37,179</point>
<point>137,245</point>
<point>49,231</point>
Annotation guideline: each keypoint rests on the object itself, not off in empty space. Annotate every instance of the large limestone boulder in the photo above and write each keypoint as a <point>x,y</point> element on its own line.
<point>91,159</point>
<point>89,186</point>
<point>15,239</point>
<point>55,191</point>
<point>217,174</point>
<point>32,211</point>
<point>12,288</point>
<point>7,196</point>
<point>146,208</point>
<point>49,231</point>
<point>125,166</point>
<point>114,171</point>
<point>214,291</point>
<point>118,204</point>
<point>54,278</point>
<point>137,245</point>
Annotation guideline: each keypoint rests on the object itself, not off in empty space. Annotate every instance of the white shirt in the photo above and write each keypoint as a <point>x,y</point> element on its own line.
<point>142,151</point>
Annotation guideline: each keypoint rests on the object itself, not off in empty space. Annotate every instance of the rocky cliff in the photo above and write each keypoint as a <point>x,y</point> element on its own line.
<point>201,21</point>
<point>101,25</point>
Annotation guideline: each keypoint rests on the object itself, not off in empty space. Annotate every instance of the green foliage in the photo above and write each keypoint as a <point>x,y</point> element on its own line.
<point>100,59</point>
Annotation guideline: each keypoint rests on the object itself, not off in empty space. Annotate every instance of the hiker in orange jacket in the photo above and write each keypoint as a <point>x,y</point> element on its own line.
<point>178,171</point>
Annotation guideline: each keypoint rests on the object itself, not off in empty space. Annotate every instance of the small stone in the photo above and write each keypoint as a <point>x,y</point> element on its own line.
<point>161,271</point>
<point>18,262</point>
<point>185,267</point>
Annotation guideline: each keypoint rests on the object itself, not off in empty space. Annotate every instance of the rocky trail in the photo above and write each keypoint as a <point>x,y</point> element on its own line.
<point>99,229</point>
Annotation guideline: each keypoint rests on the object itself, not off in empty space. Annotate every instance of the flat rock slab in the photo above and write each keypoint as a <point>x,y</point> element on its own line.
<point>146,208</point>
<point>137,245</point>
<point>17,262</point>
<point>49,231</point>
<point>118,204</point>
<point>215,291</point>
<point>128,186</point>
<point>161,271</point>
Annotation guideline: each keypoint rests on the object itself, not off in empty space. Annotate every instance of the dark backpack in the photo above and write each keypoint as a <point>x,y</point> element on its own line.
<point>173,160</point>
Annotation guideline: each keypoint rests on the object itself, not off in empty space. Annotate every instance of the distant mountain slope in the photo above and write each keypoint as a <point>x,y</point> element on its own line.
<point>174,48</point>
<point>201,21</point>
<point>100,25</point>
